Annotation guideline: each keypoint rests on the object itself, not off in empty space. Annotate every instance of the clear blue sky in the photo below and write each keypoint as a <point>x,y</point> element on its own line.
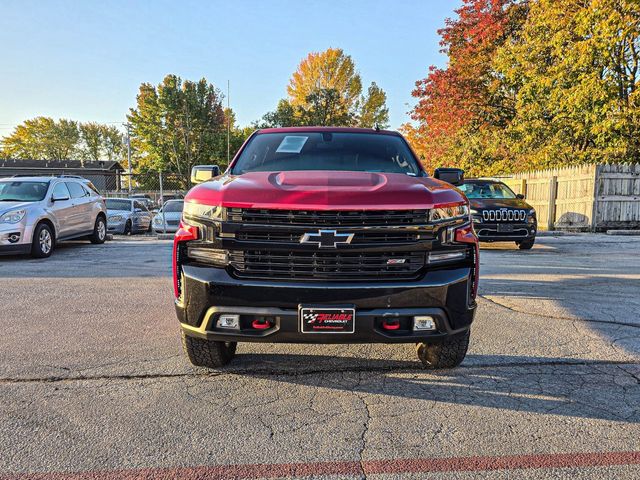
<point>85,59</point>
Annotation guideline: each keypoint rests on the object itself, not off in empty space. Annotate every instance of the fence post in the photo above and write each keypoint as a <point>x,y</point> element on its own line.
<point>523,186</point>
<point>553,191</point>
<point>164,221</point>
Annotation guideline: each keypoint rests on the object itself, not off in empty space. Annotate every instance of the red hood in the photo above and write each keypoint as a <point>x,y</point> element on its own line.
<point>325,190</point>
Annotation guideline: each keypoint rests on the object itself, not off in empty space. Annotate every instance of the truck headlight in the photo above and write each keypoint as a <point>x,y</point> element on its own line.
<point>448,213</point>
<point>206,212</point>
<point>14,216</point>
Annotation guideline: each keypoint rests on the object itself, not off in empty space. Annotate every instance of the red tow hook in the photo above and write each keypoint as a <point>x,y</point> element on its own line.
<point>391,324</point>
<point>261,324</point>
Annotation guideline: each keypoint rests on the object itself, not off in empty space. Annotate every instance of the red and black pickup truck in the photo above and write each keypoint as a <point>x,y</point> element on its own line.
<point>326,235</point>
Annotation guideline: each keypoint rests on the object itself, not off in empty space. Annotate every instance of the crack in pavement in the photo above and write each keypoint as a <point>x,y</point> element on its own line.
<point>284,373</point>
<point>558,317</point>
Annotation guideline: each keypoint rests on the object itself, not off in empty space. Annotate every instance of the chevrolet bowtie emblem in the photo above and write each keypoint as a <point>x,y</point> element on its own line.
<point>327,238</point>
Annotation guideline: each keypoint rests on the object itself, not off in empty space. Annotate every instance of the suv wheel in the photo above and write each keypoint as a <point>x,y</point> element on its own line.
<point>526,244</point>
<point>43,241</point>
<point>99,234</point>
<point>446,354</point>
<point>207,353</point>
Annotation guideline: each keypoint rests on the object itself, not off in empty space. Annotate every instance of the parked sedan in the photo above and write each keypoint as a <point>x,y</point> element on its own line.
<point>127,216</point>
<point>171,211</point>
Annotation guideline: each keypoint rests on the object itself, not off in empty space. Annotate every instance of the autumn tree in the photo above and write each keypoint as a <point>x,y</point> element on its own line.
<point>177,125</point>
<point>532,84</point>
<point>462,107</point>
<point>326,89</point>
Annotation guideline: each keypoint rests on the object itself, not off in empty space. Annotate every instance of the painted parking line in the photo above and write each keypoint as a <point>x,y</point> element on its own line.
<point>353,468</point>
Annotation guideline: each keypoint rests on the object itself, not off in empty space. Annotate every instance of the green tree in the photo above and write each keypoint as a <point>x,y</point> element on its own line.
<point>42,138</point>
<point>177,125</point>
<point>373,111</point>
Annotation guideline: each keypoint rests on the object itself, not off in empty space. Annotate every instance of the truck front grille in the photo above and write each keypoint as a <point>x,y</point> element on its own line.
<point>328,218</point>
<point>341,265</point>
<point>504,215</point>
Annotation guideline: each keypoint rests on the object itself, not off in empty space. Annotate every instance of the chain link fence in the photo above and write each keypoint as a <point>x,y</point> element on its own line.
<point>157,186</point>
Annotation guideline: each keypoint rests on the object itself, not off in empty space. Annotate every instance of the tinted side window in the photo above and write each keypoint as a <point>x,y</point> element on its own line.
<point>60,190</point>
<point>77,191</point>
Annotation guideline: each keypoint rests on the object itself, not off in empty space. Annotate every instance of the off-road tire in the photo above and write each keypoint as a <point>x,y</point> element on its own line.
<point>526,244</point>
<point>446,354</point>
<point>38,250</point>
<point>99,234</point>
<point>207,353</point>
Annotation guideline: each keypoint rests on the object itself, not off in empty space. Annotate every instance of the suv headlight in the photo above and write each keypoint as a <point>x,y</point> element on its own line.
<point>14,216</point>
<point>448,213</point>
<point>115,218</point>
<point>206,212</point>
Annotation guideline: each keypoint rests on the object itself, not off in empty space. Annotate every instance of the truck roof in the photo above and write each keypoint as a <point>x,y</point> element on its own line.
<point>327,129</point>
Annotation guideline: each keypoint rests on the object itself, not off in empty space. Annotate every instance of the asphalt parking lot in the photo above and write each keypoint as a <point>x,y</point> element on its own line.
<point>94,384</point>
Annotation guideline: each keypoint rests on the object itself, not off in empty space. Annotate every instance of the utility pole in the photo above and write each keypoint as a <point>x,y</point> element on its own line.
<point>228,126</point>
<point>128,126</point>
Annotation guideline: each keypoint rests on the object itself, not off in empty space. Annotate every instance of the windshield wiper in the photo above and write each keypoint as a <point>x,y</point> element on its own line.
<point>12,200</point>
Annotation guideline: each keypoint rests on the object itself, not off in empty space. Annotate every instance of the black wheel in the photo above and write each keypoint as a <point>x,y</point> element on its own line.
<point>99,234</point>
<point>150,227</point>
<point>207,353</point>
<point>526,244</point>
<point>446,354</point>
<point>127,228</point>
<point>43,241</point>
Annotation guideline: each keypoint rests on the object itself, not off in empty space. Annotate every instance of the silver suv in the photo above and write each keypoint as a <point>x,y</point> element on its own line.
<point>38,212</point>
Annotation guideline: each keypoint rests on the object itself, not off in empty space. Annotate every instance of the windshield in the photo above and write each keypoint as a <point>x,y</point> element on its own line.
<point>486,190</point>
<point>360,152</point>
<point>114,204</point>
<point>173,207</point>
<point>22,191</point>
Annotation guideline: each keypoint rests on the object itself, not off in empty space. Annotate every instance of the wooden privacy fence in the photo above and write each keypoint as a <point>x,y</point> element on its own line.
<point>590,197</point>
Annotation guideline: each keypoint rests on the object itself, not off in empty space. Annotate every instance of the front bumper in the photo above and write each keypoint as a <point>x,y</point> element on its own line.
<point>488,232</point>
<point>114,226</point>
<point>15,238</point>
<point>208,292</point>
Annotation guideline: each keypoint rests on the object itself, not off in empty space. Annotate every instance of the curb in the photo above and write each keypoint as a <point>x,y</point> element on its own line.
<point>623,232</point>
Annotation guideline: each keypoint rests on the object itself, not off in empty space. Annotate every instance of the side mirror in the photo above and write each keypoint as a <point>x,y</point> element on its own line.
<point>520,196</point>
<point>454,176</point>
<point>137,210</point>
<point>202,173</point>
<point>59,198</point>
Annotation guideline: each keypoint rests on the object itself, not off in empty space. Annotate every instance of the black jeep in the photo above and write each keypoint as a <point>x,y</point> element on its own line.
<point>499,215</point>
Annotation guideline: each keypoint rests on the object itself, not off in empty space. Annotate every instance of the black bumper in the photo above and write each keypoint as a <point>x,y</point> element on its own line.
<point>444,294</point>
<point>19,249</point>
<point>489,232</point>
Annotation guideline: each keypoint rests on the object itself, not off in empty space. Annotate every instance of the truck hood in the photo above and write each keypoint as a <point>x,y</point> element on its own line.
<point>325,190</point>
<point>8,206</point>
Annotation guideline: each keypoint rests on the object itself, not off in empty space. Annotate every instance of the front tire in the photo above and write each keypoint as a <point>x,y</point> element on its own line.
<point>43,241</point>
<point>526,244</point>
<point>208,353</point>
<point>446,354</point>
<point>99,234</point>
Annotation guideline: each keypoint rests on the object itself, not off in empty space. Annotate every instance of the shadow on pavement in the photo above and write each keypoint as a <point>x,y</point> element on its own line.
<point>585,389</point>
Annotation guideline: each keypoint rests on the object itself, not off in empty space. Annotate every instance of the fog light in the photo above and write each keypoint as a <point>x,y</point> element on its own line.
<point>228,321</point>
<point>424,322</point>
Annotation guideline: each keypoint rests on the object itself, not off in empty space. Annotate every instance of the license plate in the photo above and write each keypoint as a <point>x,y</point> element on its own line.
<point>503,228</point>
<point>327,319</point>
